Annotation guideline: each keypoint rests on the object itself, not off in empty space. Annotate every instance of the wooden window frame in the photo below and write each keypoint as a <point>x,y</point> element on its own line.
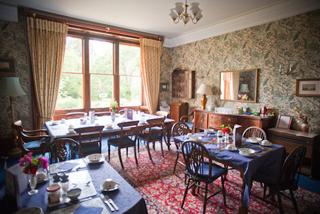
<point>86,37</point>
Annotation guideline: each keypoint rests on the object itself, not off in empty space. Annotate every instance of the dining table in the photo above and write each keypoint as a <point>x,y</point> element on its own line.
<point>64,127</point>
<point>268,159</point>
<point>83,174</point>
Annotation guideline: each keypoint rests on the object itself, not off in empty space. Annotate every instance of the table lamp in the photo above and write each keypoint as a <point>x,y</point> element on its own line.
<point>204,90</point>
<point>10,87</point>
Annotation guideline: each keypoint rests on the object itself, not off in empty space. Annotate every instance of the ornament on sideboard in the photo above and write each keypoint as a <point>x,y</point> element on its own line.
<point>302,120</point>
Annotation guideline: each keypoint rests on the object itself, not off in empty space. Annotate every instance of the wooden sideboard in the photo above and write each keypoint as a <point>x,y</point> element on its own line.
<point>290,139</point>
<point>208,119</point>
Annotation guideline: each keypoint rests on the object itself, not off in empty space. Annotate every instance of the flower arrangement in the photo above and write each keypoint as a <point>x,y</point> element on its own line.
<point>226,129</point>
<point>114,106</point>
<point>31,164</point>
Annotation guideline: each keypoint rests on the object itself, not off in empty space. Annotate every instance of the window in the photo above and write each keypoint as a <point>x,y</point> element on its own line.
<point>70,94</point>
<point>91,76</point>
<point>101,73</point>
<point>130,79</point>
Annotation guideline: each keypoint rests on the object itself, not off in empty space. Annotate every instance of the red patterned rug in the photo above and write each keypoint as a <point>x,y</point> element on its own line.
<point>163,191</point>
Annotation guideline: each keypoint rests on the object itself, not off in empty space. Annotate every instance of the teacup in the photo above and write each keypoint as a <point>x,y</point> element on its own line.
<point>265,143</point>
<point>108,184</point>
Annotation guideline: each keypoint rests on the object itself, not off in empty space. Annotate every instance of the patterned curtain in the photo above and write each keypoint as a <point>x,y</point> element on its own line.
<point>47,45</point>
<point>150,71</point>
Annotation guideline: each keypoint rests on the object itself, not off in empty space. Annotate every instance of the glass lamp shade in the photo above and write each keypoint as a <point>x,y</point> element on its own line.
<point>244,88</point>
<point>10,86</point>
<point>204,89</point>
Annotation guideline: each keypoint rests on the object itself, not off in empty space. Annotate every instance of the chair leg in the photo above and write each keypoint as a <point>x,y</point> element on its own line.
<point>294,201</point>
<point>119,154</point>
<point>148,149</point>
<point>280,203</point>
<point>135,155</point>
<point>138,145</point>
<point>127,151</point>
<point>264,191</point>
<point>185,193</point>
<point>161,148</point>
<point>109,152</point>
<point>223,191</point>
<point>205,199</point>
<point>175,163</point>
<point>154,145</point>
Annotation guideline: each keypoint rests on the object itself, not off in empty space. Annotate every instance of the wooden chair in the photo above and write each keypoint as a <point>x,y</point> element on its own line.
<point>73,115</point>
<point>188,119</point>
<point>90,139</point>
<point>254,131</point>
<point>63,149</point>
<point>288,179</point>
<point>200,168</point>
<point>127,137</point>
<point>153,133</point>
<point>34,141</point>
<point>178,129</point>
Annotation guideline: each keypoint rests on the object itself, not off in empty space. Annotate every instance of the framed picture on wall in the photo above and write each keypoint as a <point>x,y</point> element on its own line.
<point>6,67</point>
<point>308,87</point>
<point>284,122</point>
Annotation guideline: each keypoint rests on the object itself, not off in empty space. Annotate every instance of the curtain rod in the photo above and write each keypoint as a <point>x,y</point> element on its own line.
<point>88,25</point>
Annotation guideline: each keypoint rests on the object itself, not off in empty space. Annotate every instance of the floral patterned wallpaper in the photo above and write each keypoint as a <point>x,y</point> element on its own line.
<point>13,44</point>
<point>295,41</point>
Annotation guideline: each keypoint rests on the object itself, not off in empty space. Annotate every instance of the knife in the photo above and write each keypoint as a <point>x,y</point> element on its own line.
<point>111,202</point>
<point>107,202</point>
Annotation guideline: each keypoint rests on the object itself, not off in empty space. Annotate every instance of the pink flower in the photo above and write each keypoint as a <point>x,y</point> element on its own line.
<point>44,162</point>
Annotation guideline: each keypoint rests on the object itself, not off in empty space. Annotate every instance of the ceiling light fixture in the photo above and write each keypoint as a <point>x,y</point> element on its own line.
<point>182,13</point>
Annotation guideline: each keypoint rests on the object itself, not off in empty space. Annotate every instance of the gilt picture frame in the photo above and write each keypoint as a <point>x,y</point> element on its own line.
<point>308,87</point>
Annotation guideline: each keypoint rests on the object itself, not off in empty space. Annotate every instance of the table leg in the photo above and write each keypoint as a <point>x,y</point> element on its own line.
<point>243,209</point>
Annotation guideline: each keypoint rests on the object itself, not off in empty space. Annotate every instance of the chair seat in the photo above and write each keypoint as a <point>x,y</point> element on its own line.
<point>121,142</point>
<point>216,172</point>
<point>33,145</point>
<point>190,125</point>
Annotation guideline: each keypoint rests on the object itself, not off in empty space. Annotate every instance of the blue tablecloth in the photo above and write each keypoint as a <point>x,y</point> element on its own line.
<point>267,158</point>
<point>127,198</point>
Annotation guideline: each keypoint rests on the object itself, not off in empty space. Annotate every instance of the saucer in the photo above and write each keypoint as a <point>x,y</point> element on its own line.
<point>265,143</point>
<point>247,152</point>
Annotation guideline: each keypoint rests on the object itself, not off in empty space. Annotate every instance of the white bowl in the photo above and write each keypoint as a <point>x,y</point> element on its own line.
<point>94,158</point>
<point>109,185</point>
<point>74,193</point>
<point>265,143</point>
<point>231,147</point>
<point>254,139</point>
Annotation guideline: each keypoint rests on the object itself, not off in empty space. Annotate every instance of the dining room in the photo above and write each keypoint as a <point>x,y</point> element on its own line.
<point>159,107</point>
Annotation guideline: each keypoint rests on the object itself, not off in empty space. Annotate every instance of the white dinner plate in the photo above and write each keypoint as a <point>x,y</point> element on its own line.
<point>247,152</point>
<point>254,139</point>
<point>113,188</point>
<point>231,148</point>
<point>95,158</point>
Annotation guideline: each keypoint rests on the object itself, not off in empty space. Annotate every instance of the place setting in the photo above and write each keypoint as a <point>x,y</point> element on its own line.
<point>109,186</point>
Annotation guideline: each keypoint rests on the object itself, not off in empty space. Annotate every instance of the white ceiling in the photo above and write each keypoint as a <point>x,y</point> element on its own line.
<point>152,16</point>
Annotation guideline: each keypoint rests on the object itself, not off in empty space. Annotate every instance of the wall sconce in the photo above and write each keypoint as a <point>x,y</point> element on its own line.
<point>284,71</point>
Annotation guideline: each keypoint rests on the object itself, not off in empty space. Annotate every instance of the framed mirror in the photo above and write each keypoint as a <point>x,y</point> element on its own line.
<point>240,86</point>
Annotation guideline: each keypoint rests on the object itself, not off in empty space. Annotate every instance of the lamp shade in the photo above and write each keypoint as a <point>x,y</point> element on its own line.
<point>10,86</point>
<point>204,89</point>
<point>244,88</point>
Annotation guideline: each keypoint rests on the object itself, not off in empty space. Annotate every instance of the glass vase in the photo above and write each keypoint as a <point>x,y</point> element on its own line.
<point>33,184</point>
<point>113,116</point>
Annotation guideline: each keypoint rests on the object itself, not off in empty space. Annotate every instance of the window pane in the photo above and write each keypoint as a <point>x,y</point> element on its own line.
<point>70,92</point>
<point>130,91</point>
<point>101,90</point>
<point>73,55</point>
<point>100,57</point>
<point>129,59</point>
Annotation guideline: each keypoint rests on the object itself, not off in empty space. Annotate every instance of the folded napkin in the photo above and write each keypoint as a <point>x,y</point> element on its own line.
<point>88,210</point>
<point>67,166</point>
